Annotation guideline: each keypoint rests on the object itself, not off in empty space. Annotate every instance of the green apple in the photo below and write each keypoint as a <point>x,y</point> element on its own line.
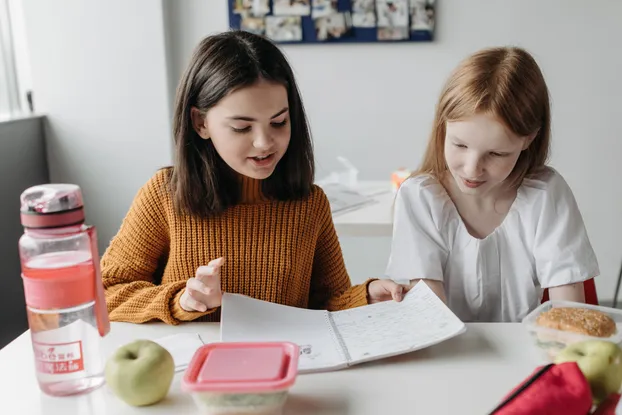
<point>140,373</point>
<point>601,363</point>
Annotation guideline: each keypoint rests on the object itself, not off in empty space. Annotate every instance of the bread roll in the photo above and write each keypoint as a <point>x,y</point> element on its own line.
<point>579,320</point>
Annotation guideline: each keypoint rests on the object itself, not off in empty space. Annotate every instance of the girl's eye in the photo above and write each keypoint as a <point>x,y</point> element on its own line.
<point>241,130</point>
<point>494,154</point>
<point>280,124</point>
<point>460,145</point>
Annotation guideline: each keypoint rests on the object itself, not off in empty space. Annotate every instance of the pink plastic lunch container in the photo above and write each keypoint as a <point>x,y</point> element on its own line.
<point>242,378</point>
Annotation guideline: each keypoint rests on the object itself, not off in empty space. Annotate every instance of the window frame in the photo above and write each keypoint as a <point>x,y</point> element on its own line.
<point>10,100</point>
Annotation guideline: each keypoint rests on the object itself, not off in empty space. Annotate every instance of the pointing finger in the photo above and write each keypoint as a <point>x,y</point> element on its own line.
<point>217,262</point>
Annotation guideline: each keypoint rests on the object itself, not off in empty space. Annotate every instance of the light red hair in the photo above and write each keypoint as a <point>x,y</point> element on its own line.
<point>507,83</point>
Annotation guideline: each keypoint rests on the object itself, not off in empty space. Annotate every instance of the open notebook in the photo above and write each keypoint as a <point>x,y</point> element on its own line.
<point>336,340</point>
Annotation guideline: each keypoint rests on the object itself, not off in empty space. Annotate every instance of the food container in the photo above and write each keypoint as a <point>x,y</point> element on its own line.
<point>242,378</point>
<point>552,341</point>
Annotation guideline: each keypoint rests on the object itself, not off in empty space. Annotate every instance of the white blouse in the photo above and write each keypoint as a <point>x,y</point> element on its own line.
<point>541,243</point>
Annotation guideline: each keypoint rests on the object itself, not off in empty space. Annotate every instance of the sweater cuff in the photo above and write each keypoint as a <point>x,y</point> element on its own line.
<point>180,314</point>
<point>360,294</point>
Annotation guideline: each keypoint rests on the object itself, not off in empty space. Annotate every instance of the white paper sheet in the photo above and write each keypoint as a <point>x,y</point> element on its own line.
<point>247,319</point>
<point>389,328</point>
<point>182,347</point>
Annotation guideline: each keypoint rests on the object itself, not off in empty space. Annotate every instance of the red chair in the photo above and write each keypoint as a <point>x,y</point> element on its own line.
<point>589,287</point>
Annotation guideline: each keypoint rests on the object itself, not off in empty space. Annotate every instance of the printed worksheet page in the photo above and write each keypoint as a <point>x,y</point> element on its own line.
<point>246,319</point>
<point>390,328</point>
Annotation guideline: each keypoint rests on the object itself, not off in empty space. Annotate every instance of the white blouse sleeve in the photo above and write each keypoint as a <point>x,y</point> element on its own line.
<point>562,250</point>
<point>418,249</point>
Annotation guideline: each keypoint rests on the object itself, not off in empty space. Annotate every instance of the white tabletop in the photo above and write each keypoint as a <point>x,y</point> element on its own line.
<point>466,375</point>
<point>371,220</point>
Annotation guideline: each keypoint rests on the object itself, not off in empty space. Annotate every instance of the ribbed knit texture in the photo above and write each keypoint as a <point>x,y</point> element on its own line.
<point>283,252</point>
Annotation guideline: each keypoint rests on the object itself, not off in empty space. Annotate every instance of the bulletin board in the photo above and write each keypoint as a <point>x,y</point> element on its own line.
<point>335,21</point>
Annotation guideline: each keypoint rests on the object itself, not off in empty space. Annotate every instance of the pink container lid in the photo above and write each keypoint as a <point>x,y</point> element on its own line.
<point>242,367</point>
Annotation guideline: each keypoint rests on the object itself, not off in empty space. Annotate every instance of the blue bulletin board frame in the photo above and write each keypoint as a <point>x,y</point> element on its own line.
<point>354,35</point>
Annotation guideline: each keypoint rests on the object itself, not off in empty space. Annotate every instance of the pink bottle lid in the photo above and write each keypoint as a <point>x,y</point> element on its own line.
<point>52,206</point>
<point>242,367</point>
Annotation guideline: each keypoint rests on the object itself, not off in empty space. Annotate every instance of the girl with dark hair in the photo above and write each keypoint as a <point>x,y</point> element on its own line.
<point>238,211</point>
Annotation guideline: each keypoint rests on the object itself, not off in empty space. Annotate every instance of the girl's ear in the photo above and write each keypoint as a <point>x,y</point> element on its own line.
<point>199,123</point>
<point>529,139</point>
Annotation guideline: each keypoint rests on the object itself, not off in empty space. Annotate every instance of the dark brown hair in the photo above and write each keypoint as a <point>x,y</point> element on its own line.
<point>507,83</point>
<point>202,184</point>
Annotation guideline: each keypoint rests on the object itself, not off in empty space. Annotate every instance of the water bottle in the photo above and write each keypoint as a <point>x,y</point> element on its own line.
<point>65,302</point>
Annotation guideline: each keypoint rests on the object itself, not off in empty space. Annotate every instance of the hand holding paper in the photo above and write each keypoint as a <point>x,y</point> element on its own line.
<point>385,290</point>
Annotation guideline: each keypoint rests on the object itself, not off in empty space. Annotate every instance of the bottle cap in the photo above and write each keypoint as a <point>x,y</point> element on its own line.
<point>52,206</point>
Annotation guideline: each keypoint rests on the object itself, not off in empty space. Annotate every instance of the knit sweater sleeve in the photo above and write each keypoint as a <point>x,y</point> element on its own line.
<point>133,257</point>
<point>331,288</point>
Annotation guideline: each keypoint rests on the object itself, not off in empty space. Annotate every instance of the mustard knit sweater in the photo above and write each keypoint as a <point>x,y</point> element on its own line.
<point>283,252</point>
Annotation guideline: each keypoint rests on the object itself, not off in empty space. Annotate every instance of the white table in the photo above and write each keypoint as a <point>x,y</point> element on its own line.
<point>476,369</point>
<point>371,220</point>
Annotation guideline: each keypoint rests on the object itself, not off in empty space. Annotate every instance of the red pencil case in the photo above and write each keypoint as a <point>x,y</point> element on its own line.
<point>554,389</point>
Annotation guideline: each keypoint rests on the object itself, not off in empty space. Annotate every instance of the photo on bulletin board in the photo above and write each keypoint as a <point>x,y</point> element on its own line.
<point>336,21</point>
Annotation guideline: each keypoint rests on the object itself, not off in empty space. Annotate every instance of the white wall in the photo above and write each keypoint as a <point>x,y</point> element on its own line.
<point>378,99</point>
<point>99,74</point>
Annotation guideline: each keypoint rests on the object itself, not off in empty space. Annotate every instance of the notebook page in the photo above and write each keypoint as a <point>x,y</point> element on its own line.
<point>390,328</point>
<point>247,319</point>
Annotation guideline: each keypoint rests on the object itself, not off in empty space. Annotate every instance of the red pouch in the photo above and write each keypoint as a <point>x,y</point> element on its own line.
<point>608,406</point>
<point>554,389</point>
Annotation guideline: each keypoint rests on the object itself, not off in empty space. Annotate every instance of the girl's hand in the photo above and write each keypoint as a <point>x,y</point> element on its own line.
<point>384,290</point>
<point>203,291</point>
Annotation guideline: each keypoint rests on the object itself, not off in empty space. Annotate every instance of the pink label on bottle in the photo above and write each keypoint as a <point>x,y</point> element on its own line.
<point>59,358</point>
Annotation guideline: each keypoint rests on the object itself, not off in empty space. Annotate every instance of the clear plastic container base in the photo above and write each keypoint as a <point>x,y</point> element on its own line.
<point>240,404</point>
<point>551,341</point>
